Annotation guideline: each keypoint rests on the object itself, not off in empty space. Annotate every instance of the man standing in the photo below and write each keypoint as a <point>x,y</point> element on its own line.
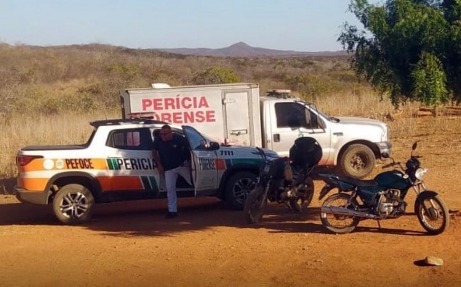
<point>171,154</point>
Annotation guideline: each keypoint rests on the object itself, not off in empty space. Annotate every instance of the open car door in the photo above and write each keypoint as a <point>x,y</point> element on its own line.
<point>203,162</point>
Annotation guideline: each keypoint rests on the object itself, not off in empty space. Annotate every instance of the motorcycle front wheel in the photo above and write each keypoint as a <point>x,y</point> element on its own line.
<point>432,214</point>
<point>338,223</point>
<point>255,204</point>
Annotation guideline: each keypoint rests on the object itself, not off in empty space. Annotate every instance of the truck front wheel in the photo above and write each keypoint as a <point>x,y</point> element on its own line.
<point>357,161</point>
<point>73,204</point>
<point>238,187</point>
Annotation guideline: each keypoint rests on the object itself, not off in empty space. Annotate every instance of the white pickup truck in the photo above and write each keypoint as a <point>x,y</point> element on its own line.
<point>237,114</point>
<point>116,164</point>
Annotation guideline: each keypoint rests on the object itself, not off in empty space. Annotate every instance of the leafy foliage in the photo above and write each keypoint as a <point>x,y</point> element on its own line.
<point>429,80</point>
<point>216,75</point>
<point>409,49</point>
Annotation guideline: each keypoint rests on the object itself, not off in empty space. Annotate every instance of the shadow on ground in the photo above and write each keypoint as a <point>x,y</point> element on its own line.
<point>146,218</point>
<point>7,185</point>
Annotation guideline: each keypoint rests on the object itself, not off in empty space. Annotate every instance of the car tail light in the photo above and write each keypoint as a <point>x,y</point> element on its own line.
<point>23,160</point>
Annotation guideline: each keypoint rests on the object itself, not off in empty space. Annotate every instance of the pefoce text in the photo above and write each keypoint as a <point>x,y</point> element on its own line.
<point>79,163</point>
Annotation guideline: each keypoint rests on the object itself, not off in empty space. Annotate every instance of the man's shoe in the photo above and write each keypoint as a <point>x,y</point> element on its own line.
<point>171,215</point>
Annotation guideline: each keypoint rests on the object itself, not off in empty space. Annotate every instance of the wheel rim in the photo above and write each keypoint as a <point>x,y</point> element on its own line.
<point>336,220</point>
<point>74,205</point>
<point>358,162</point>
<point>242,188</point>
<point>431,213</point>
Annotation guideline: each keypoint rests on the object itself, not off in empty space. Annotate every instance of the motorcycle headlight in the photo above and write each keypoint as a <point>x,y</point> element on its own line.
<point>419,173</point>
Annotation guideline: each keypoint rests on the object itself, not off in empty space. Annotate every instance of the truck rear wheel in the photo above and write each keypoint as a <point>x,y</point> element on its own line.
<point>357,161</point>
<point>238,186</point>
<point>73,204</point>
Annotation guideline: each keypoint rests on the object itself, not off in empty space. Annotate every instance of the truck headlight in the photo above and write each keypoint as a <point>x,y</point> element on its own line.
<point>387,135</point>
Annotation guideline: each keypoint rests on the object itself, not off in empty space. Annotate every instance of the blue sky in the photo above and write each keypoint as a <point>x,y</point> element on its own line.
<point>300,25</point>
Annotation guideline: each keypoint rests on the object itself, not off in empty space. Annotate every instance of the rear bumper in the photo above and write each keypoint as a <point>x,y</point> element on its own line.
<point>385,149</point>
<point>36,197</point>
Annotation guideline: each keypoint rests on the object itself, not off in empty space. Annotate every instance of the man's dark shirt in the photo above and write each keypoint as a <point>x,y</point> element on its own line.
<point>172,153</point>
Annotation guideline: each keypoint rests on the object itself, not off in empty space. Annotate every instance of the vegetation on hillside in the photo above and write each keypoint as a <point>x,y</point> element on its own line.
<point>86,78</point>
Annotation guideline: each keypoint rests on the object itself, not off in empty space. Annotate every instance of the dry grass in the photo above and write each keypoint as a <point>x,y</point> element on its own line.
<point>73,128</point>
<point>61,129</point>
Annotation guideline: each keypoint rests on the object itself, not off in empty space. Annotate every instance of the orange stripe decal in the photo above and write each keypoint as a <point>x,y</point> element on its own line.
<point>220,164</point>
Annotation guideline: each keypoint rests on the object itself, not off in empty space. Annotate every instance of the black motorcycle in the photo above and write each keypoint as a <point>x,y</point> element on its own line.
<point>382,198</point>
<point>285,180</point>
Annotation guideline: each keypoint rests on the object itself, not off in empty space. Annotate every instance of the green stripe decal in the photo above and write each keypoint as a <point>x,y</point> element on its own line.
<point>150,183</point>
<point>109,164</point>
<point>153,183</point>
<point>253,161</point>
<point>145,183</point>
<point>112,163</point>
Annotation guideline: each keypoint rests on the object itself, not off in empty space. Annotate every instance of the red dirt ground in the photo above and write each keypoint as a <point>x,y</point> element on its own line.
<point>131,244</point>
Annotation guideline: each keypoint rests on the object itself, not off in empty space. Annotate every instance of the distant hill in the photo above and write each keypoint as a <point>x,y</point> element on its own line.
<point>242,49</point>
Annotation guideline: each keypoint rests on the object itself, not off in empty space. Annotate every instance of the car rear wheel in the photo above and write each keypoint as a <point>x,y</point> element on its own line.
<point>357,161</point>
<point>73,204</point>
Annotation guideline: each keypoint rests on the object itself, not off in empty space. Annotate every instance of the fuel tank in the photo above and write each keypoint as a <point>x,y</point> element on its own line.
<point>393,179</point>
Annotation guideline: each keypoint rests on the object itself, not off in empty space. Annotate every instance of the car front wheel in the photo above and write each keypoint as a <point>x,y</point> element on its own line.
<point>238,187</point>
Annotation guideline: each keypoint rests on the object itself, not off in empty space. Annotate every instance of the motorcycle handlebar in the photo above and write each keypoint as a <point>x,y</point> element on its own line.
<point>392,164</point>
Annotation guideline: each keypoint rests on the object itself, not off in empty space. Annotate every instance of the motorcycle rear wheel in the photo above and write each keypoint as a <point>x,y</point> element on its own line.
<point>308,187</point>
<point>339,223</point>
<point>305,194</point>
<point>432,214</point>
<point>255,204</point>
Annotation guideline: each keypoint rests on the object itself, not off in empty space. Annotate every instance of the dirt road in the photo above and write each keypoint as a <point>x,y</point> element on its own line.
<point>131,244</point>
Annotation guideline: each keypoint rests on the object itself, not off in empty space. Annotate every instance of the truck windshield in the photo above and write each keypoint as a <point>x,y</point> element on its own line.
<point>314,108</point>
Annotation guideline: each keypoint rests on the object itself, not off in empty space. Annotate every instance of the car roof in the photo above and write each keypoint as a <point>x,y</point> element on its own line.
<point>135,123</point>
<point>112,122</point>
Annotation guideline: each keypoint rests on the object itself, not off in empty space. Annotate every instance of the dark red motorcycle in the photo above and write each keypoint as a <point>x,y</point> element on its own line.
<point>285,180</point>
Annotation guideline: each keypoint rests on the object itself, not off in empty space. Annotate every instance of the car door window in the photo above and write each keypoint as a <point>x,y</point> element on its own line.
<point>132,139</point>
<point>290,115</point>
<point>295,115</point>
<point>196,140</point>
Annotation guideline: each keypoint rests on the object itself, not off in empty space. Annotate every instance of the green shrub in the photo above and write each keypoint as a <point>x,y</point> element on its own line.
<point>216,75</point>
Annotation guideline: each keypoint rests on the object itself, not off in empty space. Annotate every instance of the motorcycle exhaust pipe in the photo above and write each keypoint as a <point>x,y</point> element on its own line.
<point>348,212</point>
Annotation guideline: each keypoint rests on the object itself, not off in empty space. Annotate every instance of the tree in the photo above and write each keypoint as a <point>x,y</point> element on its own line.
<point>408,49</point>
<point>216,75</point>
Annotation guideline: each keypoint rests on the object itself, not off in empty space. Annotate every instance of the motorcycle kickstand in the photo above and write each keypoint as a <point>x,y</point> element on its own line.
<point>379,224</point>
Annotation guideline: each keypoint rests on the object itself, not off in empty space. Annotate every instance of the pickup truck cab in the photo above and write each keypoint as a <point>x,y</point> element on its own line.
<point>116,164</point>
<point>350,143</point>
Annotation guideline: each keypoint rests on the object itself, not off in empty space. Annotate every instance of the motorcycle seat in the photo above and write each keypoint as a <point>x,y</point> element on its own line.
<point>359,182</point>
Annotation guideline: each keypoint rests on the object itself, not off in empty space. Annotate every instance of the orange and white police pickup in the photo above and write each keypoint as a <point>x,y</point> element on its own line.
<point>116,164</point>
